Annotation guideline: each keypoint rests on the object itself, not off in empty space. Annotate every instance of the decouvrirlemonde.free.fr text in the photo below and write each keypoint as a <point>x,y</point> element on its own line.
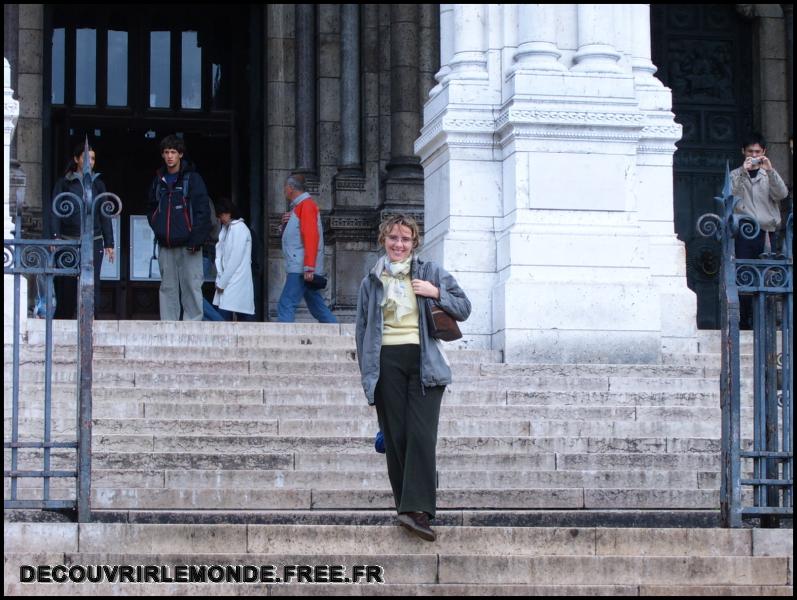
<point>200,574</point>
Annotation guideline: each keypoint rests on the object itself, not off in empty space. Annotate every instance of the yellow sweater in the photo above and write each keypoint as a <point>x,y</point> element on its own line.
<point>404,331</point>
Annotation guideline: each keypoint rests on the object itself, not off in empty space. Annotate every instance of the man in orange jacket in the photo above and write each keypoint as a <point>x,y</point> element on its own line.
<point>303,248</point>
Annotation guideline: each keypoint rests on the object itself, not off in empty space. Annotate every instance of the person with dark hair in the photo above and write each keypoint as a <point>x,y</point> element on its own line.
<point>68,228</point>
<point>179,215</point>
<point>403,369</point>
<point>234,288</point>
<point>303,248</point>
<point>760,190</point>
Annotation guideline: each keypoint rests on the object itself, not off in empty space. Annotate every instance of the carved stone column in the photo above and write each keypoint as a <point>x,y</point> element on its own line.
<point>537,38</point>
<point>470,61</point>
<point>306,151</point>
<point>404,184</point>
<point>643,66</point>
<point>788,16</point>
<point>428,50</point>
<point>596,49</point>
<point>446,47</point>
<point>10,115</point>
<point>350,156</point>
<point>349,182</point>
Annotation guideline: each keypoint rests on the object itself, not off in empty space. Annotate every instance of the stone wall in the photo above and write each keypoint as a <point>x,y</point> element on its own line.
<point>353,140</point>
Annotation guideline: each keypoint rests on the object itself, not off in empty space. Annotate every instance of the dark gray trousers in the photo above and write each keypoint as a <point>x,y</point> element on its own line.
<point>409,417</point>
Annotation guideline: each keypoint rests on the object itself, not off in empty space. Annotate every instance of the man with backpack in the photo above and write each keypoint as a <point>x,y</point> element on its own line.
<point>180,218</point>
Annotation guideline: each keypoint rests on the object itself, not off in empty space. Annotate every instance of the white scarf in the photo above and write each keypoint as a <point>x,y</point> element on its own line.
<point>397,291</point>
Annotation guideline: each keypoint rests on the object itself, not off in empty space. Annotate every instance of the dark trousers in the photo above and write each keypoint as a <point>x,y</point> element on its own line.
<point>750,249</point>
<point>409,418</point>
<point>66,287</point>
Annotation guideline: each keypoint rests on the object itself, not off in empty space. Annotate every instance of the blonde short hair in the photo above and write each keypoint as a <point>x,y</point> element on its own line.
<point>399,219</point>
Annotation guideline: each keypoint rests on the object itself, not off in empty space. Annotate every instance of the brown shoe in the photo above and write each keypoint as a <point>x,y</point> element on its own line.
<point>418,523</point>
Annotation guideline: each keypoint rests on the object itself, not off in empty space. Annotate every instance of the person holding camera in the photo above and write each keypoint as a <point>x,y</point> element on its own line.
<point>760,191</point>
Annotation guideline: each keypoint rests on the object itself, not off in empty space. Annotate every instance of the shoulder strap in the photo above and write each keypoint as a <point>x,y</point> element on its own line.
<point>187,200</point>
<point>428,273</point>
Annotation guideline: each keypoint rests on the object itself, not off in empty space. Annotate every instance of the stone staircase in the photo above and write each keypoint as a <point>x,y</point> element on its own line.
<point>463,560</point>
<point>263,429</point>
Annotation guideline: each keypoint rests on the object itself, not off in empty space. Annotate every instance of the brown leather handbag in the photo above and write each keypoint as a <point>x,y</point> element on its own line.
<point>442,326</point>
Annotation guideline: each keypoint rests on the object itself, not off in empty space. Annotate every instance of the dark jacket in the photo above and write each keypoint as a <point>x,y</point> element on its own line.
<point>435,370</point>
<point>198,222</point>
<point>69,227</point>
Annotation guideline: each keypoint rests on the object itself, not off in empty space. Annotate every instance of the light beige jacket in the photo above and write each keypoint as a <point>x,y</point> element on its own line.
<point>759,197</point>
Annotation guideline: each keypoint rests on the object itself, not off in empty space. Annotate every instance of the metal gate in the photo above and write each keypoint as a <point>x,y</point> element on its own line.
<point>767,465</point>
<point>44,259</point>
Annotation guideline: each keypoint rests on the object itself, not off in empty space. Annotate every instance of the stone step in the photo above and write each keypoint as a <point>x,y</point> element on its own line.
<point>602,560</point>
<point>582,370</point>
<point>570,428</point>
<point>12,587</point>
<point>338,589</point>
<point>340,444</point>
<point>377,479</point>
<point>368,460</point>
<point>376,540</point>
<point>147,338</point>
<point>283,427</point>
<point>66,425</point>
<point>208,328</point>
<point>30,374</point>
<point>527,462</point>
<point>345,363</point>
<point>31,408</point>
<point>248,499</point>
<point>225,499</point>
<point>309,396</point>
<point>309,354</point>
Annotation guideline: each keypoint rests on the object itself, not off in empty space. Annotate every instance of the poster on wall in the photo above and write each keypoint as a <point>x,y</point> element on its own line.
<point>143,251</point>
<point>111,270</point>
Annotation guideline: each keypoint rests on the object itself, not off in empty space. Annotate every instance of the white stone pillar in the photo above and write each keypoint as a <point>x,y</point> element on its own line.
<point>596,45</point>
<point>643,66</point>
<point>470,42</point>
<point>10,115</point>
<point>654,192</point>
<point>537,38</point>
<point>551,198</point>
<point>446,47</point>
<point>462,177</point>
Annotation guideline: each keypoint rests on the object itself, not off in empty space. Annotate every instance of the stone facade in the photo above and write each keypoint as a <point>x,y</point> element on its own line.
<point>547,151</point>
<point>10,120</point>
<point>533,141</point>
<point>28,149</point>
<point>348,121</point>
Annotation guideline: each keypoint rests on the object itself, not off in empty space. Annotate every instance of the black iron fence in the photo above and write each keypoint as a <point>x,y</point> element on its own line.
<point>764,464</point>
<point>45,259</point>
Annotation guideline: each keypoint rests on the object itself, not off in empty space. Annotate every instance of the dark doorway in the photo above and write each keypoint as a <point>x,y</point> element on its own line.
<point>127,76</point>
<point>703,52</point>
<point>128,155</point>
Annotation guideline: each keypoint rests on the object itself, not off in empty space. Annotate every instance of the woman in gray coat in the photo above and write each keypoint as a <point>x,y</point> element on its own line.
<point>404,371</point>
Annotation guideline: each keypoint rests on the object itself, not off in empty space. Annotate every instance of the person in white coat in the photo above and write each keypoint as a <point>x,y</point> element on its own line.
<point>234,290</point>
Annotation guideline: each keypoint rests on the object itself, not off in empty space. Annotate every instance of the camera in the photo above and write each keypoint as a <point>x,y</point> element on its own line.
<point>755,161</point>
